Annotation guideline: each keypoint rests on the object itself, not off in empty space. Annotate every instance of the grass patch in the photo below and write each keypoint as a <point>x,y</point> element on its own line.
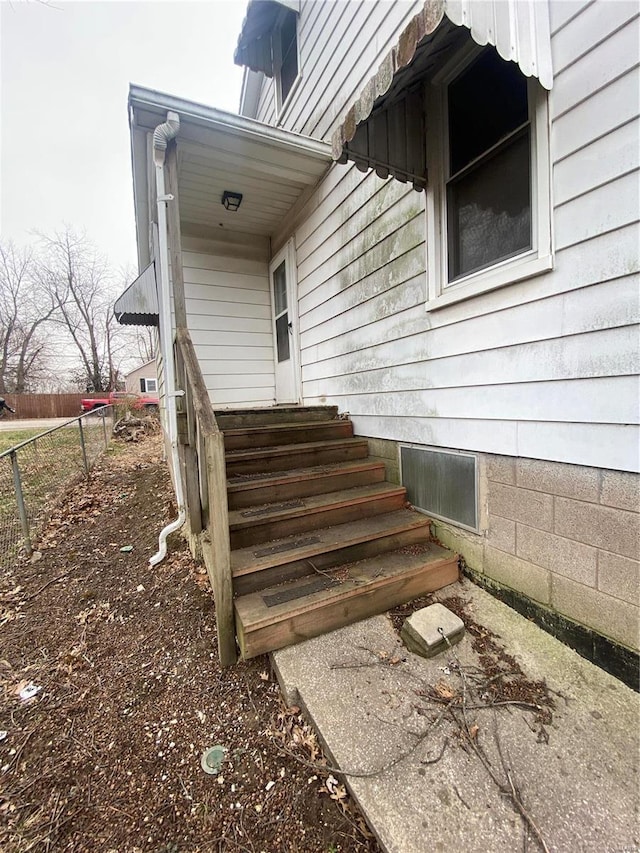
<point>9,438</point>
<point>48,466</point>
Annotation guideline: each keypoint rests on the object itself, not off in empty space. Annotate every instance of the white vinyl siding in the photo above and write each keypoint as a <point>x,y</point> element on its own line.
<point>545,368</point>
<point>333,67</point>
<point>229,320</point>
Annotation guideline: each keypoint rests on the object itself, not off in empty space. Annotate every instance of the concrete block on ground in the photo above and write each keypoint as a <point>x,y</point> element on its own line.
<point>431,630</point>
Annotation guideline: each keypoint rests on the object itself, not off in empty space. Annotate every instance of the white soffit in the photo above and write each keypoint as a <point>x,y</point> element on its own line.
<point>220,151</point>
<point>519,30</point>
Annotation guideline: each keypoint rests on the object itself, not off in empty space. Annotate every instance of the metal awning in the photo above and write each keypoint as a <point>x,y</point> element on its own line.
<point>254,42</point>
<point>385,128</point>
<point>138,305</point>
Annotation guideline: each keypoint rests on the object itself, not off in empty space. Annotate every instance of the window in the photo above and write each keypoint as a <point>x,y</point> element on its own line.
<point>488,199</point>
<point>284,45</point>
<point>149,386</point>
<point>280,310</point>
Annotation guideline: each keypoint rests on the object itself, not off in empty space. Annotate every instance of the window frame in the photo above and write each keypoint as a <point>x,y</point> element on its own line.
<point>534,261</point>
<point>276,51</point>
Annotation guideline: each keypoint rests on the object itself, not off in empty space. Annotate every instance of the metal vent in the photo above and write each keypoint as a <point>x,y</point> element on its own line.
<point>442,483</point>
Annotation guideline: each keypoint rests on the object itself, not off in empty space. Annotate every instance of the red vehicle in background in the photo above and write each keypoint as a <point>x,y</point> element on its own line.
<point>114,398</point>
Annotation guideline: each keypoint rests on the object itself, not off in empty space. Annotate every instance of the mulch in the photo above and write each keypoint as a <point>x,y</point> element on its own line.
<point>111,691</point>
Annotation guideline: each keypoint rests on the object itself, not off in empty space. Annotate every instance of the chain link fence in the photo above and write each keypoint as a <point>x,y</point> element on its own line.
<point>34,472</point>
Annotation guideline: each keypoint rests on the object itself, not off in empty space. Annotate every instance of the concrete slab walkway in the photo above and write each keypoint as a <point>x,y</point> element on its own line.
<point>421,785</point>
<point>41,424</point>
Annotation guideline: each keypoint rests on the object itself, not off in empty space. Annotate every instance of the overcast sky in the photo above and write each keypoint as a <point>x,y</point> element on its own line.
<point>65,70</point>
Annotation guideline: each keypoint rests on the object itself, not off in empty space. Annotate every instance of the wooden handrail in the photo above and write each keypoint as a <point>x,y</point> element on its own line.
<point>201,402</point>
<point>215,542</point>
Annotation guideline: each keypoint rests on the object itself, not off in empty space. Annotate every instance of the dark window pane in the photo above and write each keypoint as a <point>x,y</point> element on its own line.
<point>489,210</point>
<point>289,53</point>
<point>282,337</point>
<point>280,289</point>
<point>486,103</point>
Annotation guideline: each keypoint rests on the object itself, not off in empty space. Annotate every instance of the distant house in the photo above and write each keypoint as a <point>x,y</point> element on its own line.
<point>426,214</point>
<point>143,380</point>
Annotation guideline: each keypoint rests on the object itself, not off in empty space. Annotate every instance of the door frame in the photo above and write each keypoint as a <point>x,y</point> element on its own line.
<point>287,254</point>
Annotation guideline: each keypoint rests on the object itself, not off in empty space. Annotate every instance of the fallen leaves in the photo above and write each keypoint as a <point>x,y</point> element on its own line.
<point>107,755</point>
<point>102,612</point>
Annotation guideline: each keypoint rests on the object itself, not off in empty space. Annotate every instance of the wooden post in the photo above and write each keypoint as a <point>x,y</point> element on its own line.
<point>183,435</point>
<point>208,447</point>
<point>175,242</point>
<point>202,470</point>
<point>220,561</point>
<point>192,489</point>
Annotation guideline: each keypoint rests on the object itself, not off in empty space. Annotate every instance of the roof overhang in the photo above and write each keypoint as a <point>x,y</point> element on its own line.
<point>254,42</point>
<point>217,151</point>
<point>390,105</point>
<point>138,305</point>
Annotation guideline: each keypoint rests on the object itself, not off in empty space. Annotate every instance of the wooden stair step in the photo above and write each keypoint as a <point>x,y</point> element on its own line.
<point>237,418</point>
<point>259,566</point>
<point>307,607</point>
<point>295,455</point>
<point>298,515</point>
<point>252,437</point>
<point>256,489</point>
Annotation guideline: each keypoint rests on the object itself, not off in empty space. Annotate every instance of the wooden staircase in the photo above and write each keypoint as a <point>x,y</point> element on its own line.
<point>319,539</point>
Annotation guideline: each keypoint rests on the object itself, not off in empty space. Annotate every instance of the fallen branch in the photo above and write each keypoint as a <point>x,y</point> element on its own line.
<point>45,586</point>
<point>508,789</point>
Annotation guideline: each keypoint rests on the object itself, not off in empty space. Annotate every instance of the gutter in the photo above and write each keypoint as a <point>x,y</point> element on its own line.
<point>162,135</point>
<point>215,119</point>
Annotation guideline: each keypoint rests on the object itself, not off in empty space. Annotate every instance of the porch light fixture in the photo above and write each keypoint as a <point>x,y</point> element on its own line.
<point>231,200</point>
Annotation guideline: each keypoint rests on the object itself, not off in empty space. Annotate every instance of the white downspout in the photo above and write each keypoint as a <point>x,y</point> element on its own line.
<point>162,135</point>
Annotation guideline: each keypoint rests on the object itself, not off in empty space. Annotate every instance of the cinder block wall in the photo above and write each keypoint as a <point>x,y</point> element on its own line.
<point>569,537</point>
<point>566,536</point>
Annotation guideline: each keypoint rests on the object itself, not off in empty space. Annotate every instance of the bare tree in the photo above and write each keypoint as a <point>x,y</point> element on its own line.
<point>25,306</point>
<point>81,287</point>
<point>146,339</point>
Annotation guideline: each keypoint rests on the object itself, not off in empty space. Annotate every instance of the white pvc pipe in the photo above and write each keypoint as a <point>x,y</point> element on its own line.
<point>161,136</point>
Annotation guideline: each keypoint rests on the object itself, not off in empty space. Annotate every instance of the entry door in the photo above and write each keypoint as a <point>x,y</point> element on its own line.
<point>284,326</point>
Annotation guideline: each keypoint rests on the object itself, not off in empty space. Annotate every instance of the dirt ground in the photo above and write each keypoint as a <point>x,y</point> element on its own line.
<point>110,692</point>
